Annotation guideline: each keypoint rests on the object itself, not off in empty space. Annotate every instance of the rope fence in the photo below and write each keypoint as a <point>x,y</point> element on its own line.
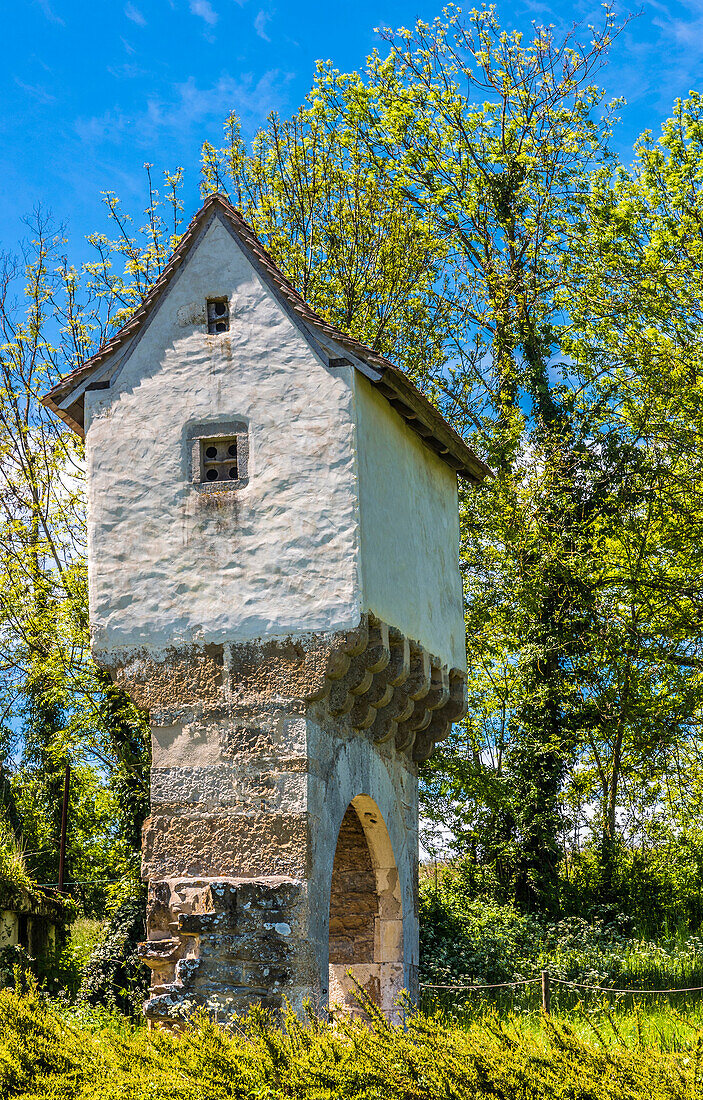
<point>633,992</point>
<point>498,985</point>
<point>546,980</point>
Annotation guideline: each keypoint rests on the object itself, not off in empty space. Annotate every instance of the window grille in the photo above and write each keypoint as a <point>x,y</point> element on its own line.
<point>217,316</point>
<point>219,456</point>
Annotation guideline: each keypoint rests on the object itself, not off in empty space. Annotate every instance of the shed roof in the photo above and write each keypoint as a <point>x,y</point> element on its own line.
<point>424,419</point>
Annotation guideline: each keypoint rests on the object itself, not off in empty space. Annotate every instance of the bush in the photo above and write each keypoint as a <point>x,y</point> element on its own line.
<point>16,967</point>
<point>468,940</point>
<point>114,976</point>
<point>659,887</point>
<point>44,1055</point>
<point>464,940</point>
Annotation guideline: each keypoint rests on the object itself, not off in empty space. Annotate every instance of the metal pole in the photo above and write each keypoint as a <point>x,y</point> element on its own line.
<point>64,826</point>
<point>545,992</point>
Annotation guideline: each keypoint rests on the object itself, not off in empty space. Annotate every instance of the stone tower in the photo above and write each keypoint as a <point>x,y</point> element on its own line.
<point>274,577</point>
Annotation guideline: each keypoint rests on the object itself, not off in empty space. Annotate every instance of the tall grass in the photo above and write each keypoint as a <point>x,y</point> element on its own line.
<point>469,942</point>
<point>13,866</point>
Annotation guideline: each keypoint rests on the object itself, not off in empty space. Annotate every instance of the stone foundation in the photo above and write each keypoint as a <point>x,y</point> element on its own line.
<point>283,790</point>
<point>221,945</point>
<point>36,922</point>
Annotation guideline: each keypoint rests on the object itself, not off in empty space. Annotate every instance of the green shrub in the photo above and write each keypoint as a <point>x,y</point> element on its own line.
<point>16,966</point>
<point>46,1055</point>
<point>658,888</point>
<point>113,975</point>
<point>463,939</point>
<point>467,941</point>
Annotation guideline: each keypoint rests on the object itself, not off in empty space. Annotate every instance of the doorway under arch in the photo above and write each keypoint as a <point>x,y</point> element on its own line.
<point>366,912</point>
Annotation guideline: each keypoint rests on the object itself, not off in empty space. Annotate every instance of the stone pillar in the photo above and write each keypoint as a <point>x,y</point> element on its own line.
<point>258,752</point>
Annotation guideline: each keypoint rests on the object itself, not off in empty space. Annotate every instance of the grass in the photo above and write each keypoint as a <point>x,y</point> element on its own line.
<point>13,867</point>
<point>467,941</point>
<point>84,935</point>
<point>658,1027</point>
<point>465,1005</point>
<point>50,1052</point>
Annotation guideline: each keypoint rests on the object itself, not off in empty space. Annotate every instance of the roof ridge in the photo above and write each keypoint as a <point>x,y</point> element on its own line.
<point>395,385</point>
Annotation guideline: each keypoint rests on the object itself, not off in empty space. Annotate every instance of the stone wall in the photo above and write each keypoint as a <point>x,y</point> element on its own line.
<point>259,766</point>
<point>409,510</point>
<point>344,510</point>
<point>35,922</point>
<point>169,566</point>
<point>221,944</point>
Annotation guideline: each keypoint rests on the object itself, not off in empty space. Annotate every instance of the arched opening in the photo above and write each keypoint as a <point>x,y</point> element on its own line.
<point>366,913</point>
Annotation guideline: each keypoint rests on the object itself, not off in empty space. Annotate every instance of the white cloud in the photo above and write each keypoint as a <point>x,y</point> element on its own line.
<point>686,33</point>
<point>135,15</point>
<point>260,25</point>
<point>36,91</point>
<point>127,71</point>
<point>49,13</point>
<point>100,127</point>
<point>205,10</point>
<point>190,106</point>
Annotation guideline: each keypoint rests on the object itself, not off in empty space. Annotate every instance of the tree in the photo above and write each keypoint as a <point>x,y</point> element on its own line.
<point>499,144</point>
<point>636,331</point>
<point>504,180</point>
<point>339,227</point>
<point>49,685</point>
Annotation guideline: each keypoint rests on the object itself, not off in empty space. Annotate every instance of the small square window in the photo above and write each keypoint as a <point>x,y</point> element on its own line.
<point>218,459</point>
<point>217,316</point>
<point>219,456</point>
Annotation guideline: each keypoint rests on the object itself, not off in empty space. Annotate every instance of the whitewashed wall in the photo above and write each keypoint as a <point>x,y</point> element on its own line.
<point>279,556</point>
<point>409,531</point>
<point>288,553</point>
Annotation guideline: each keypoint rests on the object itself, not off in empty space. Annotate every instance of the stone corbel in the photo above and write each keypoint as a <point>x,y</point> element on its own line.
<point>388,687</point>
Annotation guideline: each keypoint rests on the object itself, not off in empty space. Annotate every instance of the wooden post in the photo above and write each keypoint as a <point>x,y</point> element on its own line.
<point>545,992</point>
<point>64,826</point>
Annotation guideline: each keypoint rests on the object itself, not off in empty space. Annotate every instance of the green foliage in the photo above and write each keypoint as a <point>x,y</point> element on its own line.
<point>57,707</point>
<point>339,224</point>
<point>44,1054</point>
<point>658,887</point>
<point>13,865</point>
<point>468,941</point>
<point>16,967</point>
<point>464,940</point>
<point>61,972</point>
<point>576,295</point>
<point>113,975</point>
<point>84,936</point>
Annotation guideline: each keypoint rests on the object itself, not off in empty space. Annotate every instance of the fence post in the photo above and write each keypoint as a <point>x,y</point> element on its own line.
<point>545,992</point>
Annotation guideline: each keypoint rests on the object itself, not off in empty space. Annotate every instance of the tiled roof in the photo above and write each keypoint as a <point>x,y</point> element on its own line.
<point>395,386</point>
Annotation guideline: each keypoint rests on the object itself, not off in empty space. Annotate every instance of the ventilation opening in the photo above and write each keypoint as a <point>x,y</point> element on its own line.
<point>366,926</point>
<point>219,456</point>
<point>219,459</point>
<point>217,316</point>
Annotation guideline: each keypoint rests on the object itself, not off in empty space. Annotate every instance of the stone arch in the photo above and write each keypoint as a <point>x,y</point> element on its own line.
<point>366,911</point>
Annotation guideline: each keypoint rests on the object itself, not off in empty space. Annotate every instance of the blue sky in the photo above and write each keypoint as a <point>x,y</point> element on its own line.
<point>91,90</point>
